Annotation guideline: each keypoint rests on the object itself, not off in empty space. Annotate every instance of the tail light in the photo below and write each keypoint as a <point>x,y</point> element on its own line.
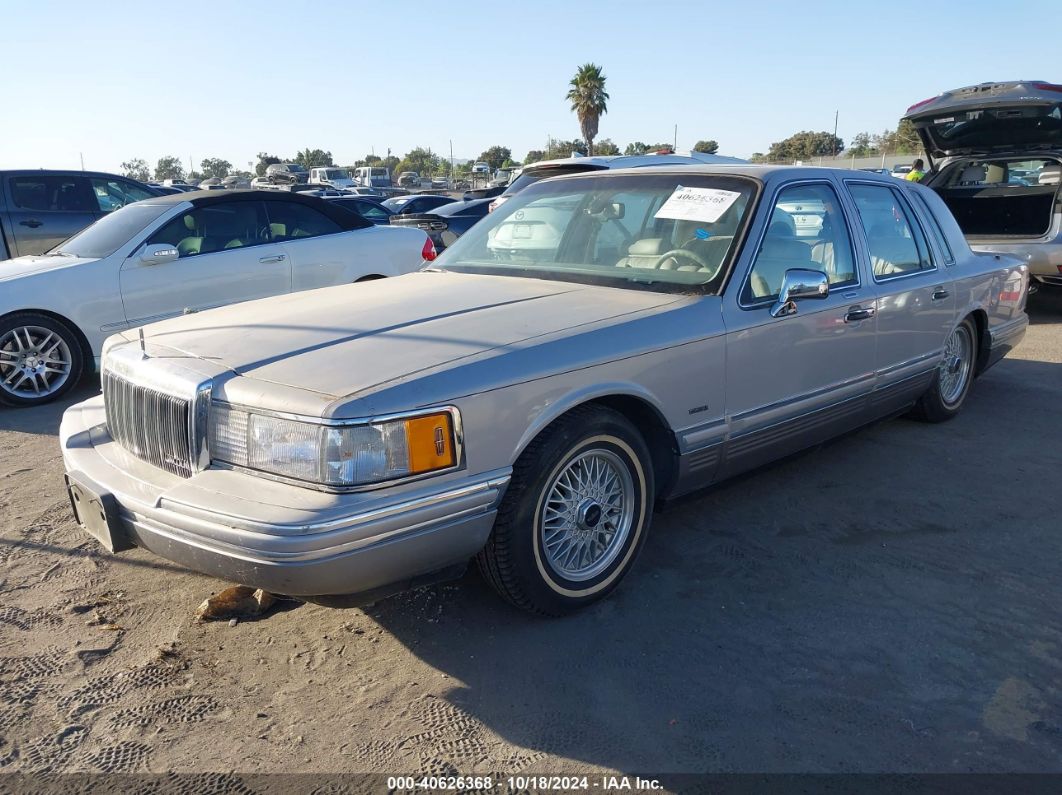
<point>428,252</point>
<point>1047,87</point>
<point>920,104</point>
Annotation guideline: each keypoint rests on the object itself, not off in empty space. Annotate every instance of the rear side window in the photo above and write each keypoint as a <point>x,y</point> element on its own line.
<point>51,194</point>
<point>291,221</point>
<point>935,231</point>
<point>895,240</point>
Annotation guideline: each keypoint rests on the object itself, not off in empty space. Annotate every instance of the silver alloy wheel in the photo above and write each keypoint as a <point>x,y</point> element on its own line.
<point>957,364</point>
<point>587,514</point>
<point>34,362</point>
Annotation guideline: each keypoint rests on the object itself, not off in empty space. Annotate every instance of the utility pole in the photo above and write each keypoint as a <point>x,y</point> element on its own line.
<point>82,160</point>
<point>836,114</point>
<point>674,145</point>
<point>451,159</point>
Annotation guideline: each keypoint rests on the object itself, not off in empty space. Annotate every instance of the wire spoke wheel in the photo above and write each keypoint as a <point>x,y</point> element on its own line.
<point>956,366</point>
<point>35,362</point>
<point>587,515</point>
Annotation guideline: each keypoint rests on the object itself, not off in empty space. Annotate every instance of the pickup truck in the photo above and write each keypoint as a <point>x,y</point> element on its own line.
<point>331,176</point>
<point>40,209</point>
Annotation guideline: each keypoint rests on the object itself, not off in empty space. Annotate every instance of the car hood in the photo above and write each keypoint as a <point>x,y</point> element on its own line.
<point>28,266</point>
<point>990,118</point>
<point>350,340</point>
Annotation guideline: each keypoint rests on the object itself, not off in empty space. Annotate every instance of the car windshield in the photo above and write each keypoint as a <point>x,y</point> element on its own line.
<point>336,173</point>
<point>665,232</point>
<point>112,231</point>
<point>531,177</point>
<point>396,204</point>
<point>378,172</point>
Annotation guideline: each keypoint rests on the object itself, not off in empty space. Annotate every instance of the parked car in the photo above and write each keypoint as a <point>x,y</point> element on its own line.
<point>416,203</point>
<point>40,209</point>
<point>440,183</point>
<point>501,178</point>
<point>169,255</point>
<point>479,167</point>
<point>368,208</point>
<point>446,223</point>
<point>901,172</point>
<point>332,177</point>
<point>528,407</point>
<point>163,190</point>
<point>977,139</point>
<point>287,174</point>
<point>372,177</point>
<point>409,179</point>
<point>532,173</point>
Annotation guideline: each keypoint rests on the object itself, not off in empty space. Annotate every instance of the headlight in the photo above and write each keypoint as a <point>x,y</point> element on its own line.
<point>336,455</point>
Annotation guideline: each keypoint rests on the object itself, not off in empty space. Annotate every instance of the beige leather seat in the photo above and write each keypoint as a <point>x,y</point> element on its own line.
<point>193,243</point>
<point>780,252</point>
<point>643,253</point>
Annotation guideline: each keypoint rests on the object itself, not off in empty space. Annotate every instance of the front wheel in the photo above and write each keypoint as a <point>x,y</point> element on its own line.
<point>575,515</point>
<point>954,376</point>
<point>40,359</point>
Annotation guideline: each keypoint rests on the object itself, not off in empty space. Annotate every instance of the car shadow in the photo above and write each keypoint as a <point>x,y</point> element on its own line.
<point>860,607</point>
<point>1045,307</point>
<point>44,420</point>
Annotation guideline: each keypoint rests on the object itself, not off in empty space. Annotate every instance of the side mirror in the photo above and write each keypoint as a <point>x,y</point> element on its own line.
<point>158,253</point>
<point>799,284</point>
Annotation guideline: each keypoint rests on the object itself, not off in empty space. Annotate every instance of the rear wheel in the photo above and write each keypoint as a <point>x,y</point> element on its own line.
<point>575,515</point>
<point>945,397</point>
<point>40,359</point>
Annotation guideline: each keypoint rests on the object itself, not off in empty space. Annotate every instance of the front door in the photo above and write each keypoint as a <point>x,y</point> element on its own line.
<point>916,301</point>
<point>226,255</point>
<point>47,209</point>
<point>794,380</point>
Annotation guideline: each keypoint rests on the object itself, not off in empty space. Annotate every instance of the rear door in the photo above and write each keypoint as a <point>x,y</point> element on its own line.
<point>226,255</point>
<point>45,209</point>
<point>320,252</point>
<point>916,301</point>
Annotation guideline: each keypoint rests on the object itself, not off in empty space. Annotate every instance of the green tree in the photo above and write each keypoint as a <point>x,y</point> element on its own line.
<point>589,100</point>
<point>215,167</point>
<point>313,158</point>
<point>423,161</point>
<point>169,168</point>
<point>862,145</point>
<point>805,145</point>
<point>534,156</point>
<point>907,140</point>
<point>264,162</point>
<point>709,147</point>
<point>496,156</point>
<point>606,147</point>
<point>137,168</point>
<point>636,148</point>
<point>565,149</point>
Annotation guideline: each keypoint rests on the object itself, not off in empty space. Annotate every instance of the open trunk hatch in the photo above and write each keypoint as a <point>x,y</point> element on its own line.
<point>990,117</point>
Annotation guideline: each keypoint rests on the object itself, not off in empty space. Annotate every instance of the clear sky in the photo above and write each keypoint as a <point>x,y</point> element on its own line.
<point>228,79</point>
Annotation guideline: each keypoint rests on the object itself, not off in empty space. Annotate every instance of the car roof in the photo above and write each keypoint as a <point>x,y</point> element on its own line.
<point>206,198</point>
<point>632,161</point>
<point>748,170</point>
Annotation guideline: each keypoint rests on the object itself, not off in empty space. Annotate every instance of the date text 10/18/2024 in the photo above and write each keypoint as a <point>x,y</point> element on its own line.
<point>523,783</point>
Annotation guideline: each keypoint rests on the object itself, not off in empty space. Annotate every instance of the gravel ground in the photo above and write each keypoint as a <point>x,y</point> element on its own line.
<point>886,603</point>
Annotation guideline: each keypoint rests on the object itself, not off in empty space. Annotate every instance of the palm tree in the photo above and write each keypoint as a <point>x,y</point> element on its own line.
<point>589,100</point>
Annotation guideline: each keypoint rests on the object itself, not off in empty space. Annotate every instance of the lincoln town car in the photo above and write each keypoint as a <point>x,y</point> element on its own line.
<point>599,344</point>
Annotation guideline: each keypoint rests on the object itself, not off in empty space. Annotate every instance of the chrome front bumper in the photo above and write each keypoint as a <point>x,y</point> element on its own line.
<point>286,539</point>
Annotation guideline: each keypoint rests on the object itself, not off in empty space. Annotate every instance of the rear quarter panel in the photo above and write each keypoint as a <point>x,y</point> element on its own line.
<point>348,256</point>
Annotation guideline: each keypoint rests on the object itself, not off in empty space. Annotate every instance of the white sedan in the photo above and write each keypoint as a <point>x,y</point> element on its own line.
<point>174,255</point>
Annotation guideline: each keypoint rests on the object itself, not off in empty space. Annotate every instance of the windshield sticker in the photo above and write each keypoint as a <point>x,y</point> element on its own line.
<point>944,121</point>
<point>697,204</point>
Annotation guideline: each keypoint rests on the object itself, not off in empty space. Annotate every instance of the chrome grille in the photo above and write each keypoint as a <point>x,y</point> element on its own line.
<point>156,427</point>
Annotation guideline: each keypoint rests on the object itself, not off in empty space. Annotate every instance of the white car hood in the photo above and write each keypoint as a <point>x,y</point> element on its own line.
<point>28,266</point>
<point>350,340</point>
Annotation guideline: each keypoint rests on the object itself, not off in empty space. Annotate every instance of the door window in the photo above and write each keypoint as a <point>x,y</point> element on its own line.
<point>895,240</point>
<point>291,221</point>
<point>219,227</point>
<point>112,194</point>
<point>51,194</point>
<point>806,229</point>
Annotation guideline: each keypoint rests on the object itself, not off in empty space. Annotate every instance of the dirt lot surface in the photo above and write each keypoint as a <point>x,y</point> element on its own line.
<point>889,602</point>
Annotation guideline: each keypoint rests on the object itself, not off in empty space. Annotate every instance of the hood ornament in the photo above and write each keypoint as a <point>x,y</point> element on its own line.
<point>143,348</point>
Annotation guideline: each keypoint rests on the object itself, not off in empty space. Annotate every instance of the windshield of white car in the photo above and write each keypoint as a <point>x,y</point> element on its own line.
<point>666,232</point>
<point>112,231</point>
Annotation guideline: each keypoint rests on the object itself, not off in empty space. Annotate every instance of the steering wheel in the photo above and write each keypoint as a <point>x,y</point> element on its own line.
<point>684,253</point>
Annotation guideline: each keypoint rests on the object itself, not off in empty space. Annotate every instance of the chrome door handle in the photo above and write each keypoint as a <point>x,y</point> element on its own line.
<point>276,258</point>
<point>857,313</point>
<point>940,294</point>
